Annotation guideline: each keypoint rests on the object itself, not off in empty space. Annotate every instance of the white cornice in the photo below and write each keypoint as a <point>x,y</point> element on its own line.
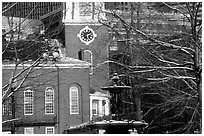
<point>81,23</point>
<point>46,66</point>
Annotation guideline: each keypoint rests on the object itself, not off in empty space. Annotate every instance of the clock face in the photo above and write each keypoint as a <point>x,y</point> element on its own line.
<point>86,35</point>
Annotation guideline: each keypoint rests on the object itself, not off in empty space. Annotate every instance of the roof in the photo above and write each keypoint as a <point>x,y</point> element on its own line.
<point>67,61</point>
<point>63,63</point>
<point>99,94</point>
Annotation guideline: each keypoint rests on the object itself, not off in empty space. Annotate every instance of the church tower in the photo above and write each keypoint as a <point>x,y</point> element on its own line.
<point>87,39</point>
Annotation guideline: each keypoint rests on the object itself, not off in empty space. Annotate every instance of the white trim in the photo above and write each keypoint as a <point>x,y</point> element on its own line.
<point>91,55</point>
<point>48,128</point>
<point>63,63</point>
<point>53,91</point>
<point>84,29</point>
<point>73,89</point>
<point>12,66</point>
<point>81,24</point>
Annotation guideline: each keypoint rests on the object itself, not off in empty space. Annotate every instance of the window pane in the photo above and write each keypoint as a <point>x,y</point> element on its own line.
<point>49,108</point>
<point>50,130</point>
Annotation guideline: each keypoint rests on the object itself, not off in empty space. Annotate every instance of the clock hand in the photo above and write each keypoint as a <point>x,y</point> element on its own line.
<point>88,35</point>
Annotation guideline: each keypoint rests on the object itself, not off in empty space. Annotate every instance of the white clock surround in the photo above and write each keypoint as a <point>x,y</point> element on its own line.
<point>88,41</point>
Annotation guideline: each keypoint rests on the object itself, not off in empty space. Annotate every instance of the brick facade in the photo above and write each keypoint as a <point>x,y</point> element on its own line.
<point>60,77</point>
<point>98,48</point>
<point>74,22</point>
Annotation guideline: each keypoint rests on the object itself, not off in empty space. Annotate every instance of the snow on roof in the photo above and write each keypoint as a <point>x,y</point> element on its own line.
<point>73,61</point>
<point>100,94</point>
<point>63,63</point>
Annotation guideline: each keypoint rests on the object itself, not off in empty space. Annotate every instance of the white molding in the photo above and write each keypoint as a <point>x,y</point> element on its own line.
<point>46,66</point>
<point>81,24</point>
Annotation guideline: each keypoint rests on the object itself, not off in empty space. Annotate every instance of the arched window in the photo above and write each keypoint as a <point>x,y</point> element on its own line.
<point>74,100</point>
<point>28,101</point>
<point>49,100</point>
<point>88,57</point>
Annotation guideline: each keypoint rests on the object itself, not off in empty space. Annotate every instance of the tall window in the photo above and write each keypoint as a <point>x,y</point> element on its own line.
<point>49,101</point>
<point>28,102</point>
<point>88,57</point>
<point>74,100</point>
<point>29,130</point>
<point>50,130</point>
<point>7,107</point>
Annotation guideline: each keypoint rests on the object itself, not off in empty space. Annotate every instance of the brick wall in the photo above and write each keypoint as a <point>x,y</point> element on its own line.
<point>99,49</point>
<point>60,79</point>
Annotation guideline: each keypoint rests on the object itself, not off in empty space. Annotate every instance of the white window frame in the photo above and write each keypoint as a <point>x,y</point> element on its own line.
<point>53,130</point>
<point>74,107</point>
<point>48,100</point>
<point>31,130</point>
<point>91,59</point>
<point>90,55</point>
<point>28,100</point>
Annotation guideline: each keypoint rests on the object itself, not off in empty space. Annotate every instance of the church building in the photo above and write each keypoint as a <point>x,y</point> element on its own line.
<point>66,92</point>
